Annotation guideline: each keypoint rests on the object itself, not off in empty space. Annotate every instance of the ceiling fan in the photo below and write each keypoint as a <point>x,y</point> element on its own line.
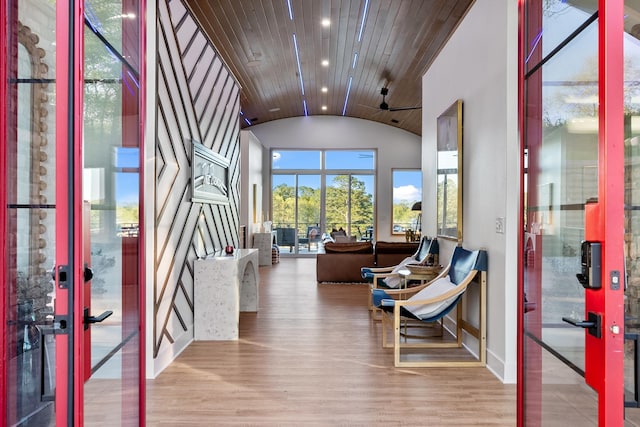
<point>384,106</point>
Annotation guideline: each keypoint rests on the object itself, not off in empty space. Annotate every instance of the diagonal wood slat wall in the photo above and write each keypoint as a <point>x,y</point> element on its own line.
<point>197,99</point>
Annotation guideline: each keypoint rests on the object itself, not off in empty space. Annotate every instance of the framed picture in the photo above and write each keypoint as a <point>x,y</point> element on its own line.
<point>209,176</point>
<point>449,175</point>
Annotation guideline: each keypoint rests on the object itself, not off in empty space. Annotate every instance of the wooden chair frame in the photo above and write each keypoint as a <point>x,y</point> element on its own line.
<point>393,321</point>
<point>380,273</point>
<point>376,313</point>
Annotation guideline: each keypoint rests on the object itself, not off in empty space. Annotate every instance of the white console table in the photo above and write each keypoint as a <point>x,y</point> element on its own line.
<point>224,285</point>
<point>263,242</point>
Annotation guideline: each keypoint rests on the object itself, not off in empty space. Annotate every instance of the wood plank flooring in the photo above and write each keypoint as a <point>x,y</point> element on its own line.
<point>311,356</point>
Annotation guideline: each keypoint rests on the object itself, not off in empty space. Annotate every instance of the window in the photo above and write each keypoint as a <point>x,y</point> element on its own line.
<point>314,192</point>
<point>407,202</point>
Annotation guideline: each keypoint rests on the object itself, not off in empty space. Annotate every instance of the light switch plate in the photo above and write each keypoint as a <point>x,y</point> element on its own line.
<point>500,225</point>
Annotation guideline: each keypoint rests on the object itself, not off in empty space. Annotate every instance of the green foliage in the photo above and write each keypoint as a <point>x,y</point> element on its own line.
<point>339,196</point>
<point>127,214</point>
<point>403,215</point>
<point>283,202</point>
<point>451,217</point>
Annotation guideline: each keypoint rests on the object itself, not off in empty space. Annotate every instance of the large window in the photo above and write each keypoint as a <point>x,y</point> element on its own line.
<point>315,192</point>
<point>407,202</point>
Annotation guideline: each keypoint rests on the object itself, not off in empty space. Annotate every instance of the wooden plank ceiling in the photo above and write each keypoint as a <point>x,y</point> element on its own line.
<point>399,40</point>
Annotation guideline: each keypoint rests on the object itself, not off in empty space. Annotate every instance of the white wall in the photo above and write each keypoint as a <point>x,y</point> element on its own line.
<point>149,182</point>
<point>396,149</point>
<point>185,229</point>
<point>481,58</point>
<point>251,154</point>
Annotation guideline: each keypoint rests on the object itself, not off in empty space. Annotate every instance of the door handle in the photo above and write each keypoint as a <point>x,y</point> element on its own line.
<point>95,319</point>
<point>593,324</point>
<point>87,274</point>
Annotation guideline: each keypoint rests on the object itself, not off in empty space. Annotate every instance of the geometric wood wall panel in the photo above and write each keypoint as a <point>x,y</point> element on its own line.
<point>197,99</point>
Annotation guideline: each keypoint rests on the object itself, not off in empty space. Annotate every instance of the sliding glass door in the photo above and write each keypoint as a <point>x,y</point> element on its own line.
<point>315,192</point>
<point>349,205</point>
<point>296,213</point>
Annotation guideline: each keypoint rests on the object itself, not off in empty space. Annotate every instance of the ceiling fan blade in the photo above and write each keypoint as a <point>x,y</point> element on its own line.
<point>404,108</point>
<point>368,106</point>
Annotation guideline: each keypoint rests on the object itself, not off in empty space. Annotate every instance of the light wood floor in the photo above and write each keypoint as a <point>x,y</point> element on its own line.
<point>312,357</point>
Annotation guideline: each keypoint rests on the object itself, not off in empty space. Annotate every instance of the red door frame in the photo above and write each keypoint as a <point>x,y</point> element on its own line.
<point>69,90</point>
<point>142,324</point>
<point>604,358</point>
<point>142,111</point>
<point>522,52</point>
<point>3,203</point>
<point>69,80</point>
<point>133,289</point>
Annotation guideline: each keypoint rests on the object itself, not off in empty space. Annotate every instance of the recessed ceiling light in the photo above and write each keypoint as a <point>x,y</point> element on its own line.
<point>324,108</point>
<point>325,62</point>
<point>326,22</point>
<point>325,89</point>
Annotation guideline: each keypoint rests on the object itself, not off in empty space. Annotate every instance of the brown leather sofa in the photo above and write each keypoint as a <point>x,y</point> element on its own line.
<point>392,253</point>
<point>341,262</point>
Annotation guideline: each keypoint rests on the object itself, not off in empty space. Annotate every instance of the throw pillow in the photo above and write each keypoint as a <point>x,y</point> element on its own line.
<point>335,234</point>
<point>345,239</point>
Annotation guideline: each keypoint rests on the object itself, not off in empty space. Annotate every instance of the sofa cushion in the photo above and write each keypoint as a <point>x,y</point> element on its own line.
<point>341,267</point>
<point>396,247</point>
<point>349,247</point>
<point>390,254</point>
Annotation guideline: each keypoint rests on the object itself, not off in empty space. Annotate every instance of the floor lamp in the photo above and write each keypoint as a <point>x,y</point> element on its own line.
<point>417,206</point>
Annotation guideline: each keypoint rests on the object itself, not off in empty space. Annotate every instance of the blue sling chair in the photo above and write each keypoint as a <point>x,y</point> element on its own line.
<point>431,302</point>
<point>389,278</point>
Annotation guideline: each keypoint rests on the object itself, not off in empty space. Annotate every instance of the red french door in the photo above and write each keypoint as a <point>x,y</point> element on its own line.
<point>111,172</point>
<point>571,341</point>
<point>71,162</point>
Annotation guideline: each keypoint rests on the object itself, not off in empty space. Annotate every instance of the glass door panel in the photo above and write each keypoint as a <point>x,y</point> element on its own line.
<point>337,203</point>
<point>30,214</point>
<point>361,190</point>
<point>111,192</point>
<point>308,214</point>
<point>283,206</point>
<point>295,202</point>
<point>559,20</point>
<point>562,175</point>
<point>349,205</point>
<point>317,192</point>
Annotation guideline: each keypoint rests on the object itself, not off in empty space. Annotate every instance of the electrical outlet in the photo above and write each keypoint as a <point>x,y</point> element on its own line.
<point>500,225</point>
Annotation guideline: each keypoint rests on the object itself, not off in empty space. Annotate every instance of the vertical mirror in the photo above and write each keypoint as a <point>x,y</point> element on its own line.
<point>449,164</point>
